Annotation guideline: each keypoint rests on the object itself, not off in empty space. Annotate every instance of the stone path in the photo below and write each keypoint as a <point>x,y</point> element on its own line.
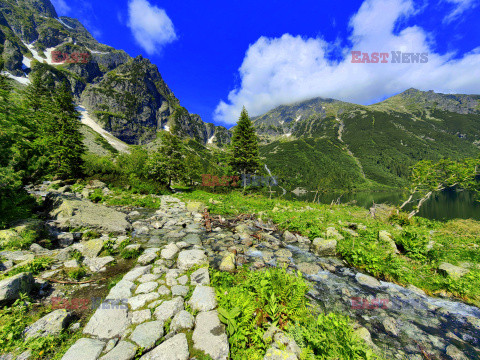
<point>152,309</point>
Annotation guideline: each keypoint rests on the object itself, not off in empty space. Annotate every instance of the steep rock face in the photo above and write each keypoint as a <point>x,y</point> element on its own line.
<point>128,97</point>
<point>131,101</point>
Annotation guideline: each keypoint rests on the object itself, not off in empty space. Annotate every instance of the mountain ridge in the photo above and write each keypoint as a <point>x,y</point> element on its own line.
<point>31,29</point>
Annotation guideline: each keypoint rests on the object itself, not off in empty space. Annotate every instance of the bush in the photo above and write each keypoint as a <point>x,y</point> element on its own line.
<point>76,273</point>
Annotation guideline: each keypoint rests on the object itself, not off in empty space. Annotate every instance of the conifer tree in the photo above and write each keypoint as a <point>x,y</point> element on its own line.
<point>244,147</point>
<point>171,149</point>
<point>64,136</point>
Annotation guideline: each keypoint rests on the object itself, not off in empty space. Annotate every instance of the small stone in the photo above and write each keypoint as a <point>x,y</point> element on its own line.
<point>182,280</point>
<point>333,233</point>
<point>452,271</point>
<point>51,324</point>
<point>190,258</point>
<point>108,321</point>
<point>171,277</point>
<point>12,287</point>
<point>139,301</point>
<point>168,309</point>
<point>147,278</point>
<point>180,290</point>
<point>122,290</point>
<point>277,354</point>
<point>110,345</point>
<point>390,326</point>
<point>209,336</point>
<point>85,349</point>
<point>455,353</point>
<point>228,263</point>
<point>146,288</point>
<point>91,248</point>
<point>200,277</point>
<point>145,335</point>
<point>203,298</point>
<point>170,251</point>
<point>163,290</point>
<point>309,268</point>
<point>288,237</point>
<point>182,321</point>
<point>135,273</point>
<point>141,316</point>
<point>71,264</point>
<point>123,351</point>
<point>367,280</point>
<point>175,348</point>
<point>146,258</point>
<point>99,263</point>
<point>324,247</point>
<point>387,238</point>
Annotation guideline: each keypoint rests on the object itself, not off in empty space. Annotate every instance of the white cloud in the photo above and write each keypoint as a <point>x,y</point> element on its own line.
<point>282,70</point>
<point>151,26</point>
<point>460,6</point>
<point>61,7</point>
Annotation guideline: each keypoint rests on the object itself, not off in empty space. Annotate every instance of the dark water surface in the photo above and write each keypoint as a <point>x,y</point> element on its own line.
<point>442,206</point>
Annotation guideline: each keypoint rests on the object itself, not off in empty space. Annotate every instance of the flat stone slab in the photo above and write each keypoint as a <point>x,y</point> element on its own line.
<point>147,278</point>
<point>146,288</point>
<point>367,280</point>
<point>141,316</point>
<point>145,335</point>
<point>91,248</point>
<point>200,277</point>
<point>180,290</point>
<point>189,258</point>
<point>147,258</point>
<point>122,290</point>
<point>11,287</point>
<point>99,263</point>
<point>182,321</point>
<point>175,348</point>
<point>123,351</point>
<point>50,324</point>
<point>72,213</point>
<point>203,298</point>
<point>107,322</point>
<point>170,251</point>
<point>210,337</point>
<point>85,349</point>
<point>135,273</point>
<point>168,309</point>
<point>139,301</point>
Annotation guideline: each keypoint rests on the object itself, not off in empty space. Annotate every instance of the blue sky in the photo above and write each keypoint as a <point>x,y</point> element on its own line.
<point>217,56</point>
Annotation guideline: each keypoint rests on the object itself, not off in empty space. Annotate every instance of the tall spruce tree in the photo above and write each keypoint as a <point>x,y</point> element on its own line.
<point>244,147</point>
<point>64,136</point>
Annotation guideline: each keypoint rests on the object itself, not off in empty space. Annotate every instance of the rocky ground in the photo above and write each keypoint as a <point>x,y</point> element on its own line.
<point>162,305</point>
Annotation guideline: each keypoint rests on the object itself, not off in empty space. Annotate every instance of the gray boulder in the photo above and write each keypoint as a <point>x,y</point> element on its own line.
<point>71,212</point>
<point>175,348</point>
<point>50,324</point>
<point>323,247</point>
<point>85,349</point>
<point>210,337</point>
<point>11,288</point>
<point>203,298</point>
<point>455,272</point>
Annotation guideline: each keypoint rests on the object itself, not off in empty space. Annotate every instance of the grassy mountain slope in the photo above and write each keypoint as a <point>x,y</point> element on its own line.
<point>324,141</point>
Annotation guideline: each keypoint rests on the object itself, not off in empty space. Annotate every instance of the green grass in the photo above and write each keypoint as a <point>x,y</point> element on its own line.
<point>251,302</point>
<point>35,267</point>
<point>13,321</point>
<point>455,241</point>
